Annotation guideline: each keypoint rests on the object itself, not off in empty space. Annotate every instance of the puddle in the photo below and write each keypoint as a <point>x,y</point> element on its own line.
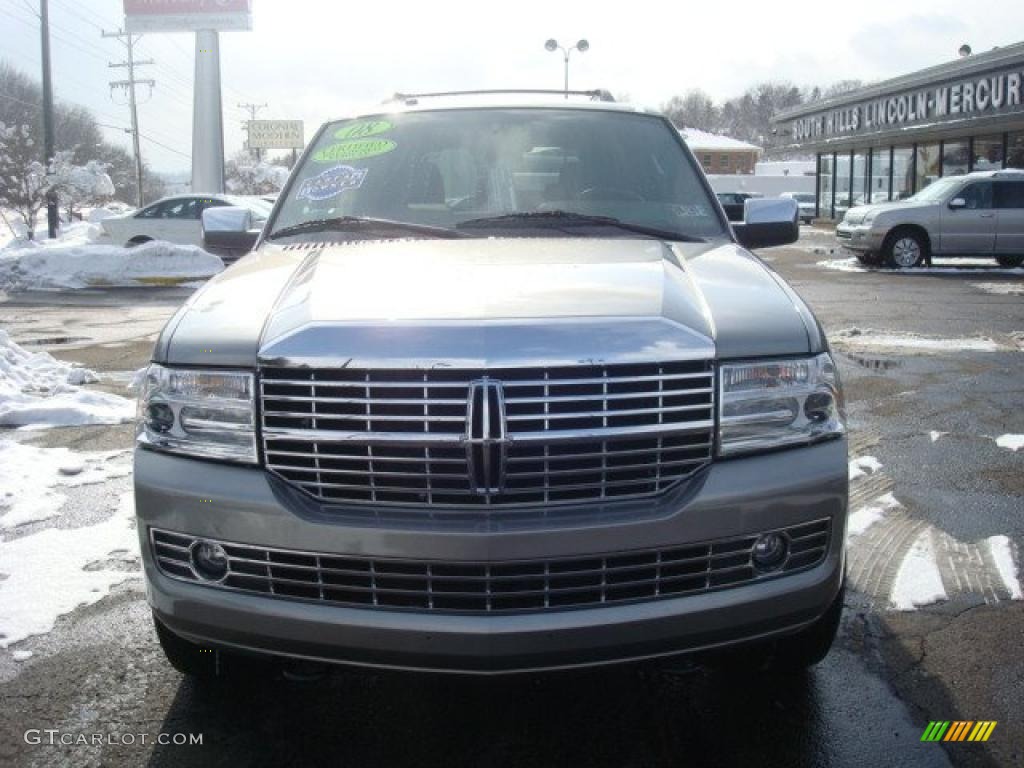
<point>875,363</point>
<point>53,341</point>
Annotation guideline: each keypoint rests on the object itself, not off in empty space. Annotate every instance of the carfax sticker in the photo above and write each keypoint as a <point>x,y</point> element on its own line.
<point>362,129</point>
<point>356,149</point>
<point>331,183</point>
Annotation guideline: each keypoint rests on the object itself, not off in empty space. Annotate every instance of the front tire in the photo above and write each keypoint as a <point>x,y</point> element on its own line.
<point>1010,262</point>
<point>905,249</point>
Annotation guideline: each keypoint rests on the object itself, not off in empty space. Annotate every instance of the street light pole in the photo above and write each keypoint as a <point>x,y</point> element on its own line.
<point>552,45</point>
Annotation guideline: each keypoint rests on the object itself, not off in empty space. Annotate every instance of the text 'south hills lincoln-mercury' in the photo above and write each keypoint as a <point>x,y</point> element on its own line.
<point>498,389</point>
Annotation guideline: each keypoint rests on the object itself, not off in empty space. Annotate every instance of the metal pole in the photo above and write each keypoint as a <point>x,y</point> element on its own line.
<point>52,219</point>
<point>136,144</point>
<point>207,117</point>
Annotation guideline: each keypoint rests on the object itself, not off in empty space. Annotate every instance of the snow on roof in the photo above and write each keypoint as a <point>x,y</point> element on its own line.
<point>696,139</point>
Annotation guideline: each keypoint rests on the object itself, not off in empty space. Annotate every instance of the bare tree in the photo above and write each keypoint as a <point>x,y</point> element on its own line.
<point>694,109</point>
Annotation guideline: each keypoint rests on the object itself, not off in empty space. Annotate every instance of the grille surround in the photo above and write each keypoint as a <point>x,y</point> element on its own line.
<point>498,587</point>
<point>411,437</point>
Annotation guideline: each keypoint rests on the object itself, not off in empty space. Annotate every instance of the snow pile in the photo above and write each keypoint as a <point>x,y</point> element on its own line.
<point>37,389</point>
<point>1010,442</point>
<point>48,574</point>
<point>29,477</point>
<point>918,581</point>
<point>79,263</point>
<point>859,338</point>
<point>939,266</point>
<point>864,517</point>
<point>864,465</point>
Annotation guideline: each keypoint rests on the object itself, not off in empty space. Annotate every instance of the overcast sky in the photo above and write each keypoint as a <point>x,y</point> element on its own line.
<point>313,59</point>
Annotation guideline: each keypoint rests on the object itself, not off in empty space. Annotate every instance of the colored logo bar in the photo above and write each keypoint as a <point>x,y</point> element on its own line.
<point>958,730</point>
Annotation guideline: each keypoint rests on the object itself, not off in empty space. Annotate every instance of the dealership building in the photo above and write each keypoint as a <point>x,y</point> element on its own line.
<point>891,139</point>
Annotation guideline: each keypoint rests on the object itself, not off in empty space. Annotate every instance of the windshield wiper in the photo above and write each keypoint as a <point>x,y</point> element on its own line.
<point>569,219</point>
<point>356,223</point>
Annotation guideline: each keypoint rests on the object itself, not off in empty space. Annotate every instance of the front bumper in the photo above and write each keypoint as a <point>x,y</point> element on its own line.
<point>858,237</point>
<point>732,498</point>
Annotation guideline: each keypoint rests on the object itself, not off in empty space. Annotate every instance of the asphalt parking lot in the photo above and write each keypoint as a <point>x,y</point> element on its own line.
<point>932,363</point>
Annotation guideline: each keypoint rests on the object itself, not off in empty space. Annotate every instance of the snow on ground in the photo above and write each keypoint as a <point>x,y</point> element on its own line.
<point>50,573</point>
<point>1002,289</point>
<point>76,262</point>
<point>1012,442</point>
<point>30,476</point>
<point>37,390</point>
<point>918,581</point>
<point>865,338</point>
<point>939,266</point>
<point>864,465</point>
<point>21,655</point>
<point>1002,556</point>
<point>864,517</point>
<point>935,435</point>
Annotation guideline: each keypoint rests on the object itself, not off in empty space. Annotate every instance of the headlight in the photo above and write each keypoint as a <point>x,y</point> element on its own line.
<point>775,403</point>
<point>198,413</point>
<point>870,217</point>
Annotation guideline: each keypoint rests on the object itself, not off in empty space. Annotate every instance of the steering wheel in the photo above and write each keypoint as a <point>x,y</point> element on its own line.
<point>611,193</point>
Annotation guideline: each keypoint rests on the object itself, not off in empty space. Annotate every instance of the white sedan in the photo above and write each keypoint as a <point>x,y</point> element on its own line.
<point>176,219</point>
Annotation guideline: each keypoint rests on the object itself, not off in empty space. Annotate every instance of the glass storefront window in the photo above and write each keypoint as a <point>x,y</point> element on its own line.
<point>954,158</point>
<point>859,188</point>
<point>902,169</point>
<point>988,153</point>
<point>880,172</point>
<point>927,167</point>
<point>1015,151</point>
<point>825,185</point>
<point>842,184</point>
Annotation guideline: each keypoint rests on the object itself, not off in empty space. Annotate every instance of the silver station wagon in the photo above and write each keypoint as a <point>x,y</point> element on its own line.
<point>979,214</point>
<point>499,388</point>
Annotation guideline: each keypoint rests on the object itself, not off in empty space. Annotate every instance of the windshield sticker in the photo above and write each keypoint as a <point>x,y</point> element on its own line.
<point>687,211</point>
<point>331,183</point>
<point>354,150</point>
<point>362,129</point>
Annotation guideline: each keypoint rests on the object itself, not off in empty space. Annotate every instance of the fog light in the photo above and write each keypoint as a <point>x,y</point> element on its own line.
<point>770,551</point>
<point>209,560</point>
<point>160,417</point>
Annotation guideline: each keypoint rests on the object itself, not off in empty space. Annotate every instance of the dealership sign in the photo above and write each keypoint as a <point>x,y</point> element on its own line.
<point>1001,92</point>
<point>275,134</point>
<point>186,15</point>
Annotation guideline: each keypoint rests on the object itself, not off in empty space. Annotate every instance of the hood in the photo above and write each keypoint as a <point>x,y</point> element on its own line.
<point>858,213</point>
<point>480,302</point>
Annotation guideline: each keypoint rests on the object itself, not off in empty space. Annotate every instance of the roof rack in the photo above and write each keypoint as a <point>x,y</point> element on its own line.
<point>411,98</point>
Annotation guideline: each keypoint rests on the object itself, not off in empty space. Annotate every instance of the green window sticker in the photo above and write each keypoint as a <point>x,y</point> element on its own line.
<point>362,129</point>
<point>354,150</point>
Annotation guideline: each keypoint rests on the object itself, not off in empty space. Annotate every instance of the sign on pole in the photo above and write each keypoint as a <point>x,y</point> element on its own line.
<point>186,15</point>
<point>276,134</point>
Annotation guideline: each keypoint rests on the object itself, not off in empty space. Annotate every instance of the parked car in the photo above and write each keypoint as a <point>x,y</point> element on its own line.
<point>175,219</point>
<point>448,418</point>
<point>733,202</point>
<point>978,214</point>
<point>806,202</point>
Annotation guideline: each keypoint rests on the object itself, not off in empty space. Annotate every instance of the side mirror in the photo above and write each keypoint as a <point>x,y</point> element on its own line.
<point>768,222</point>
<point>229,231</point>
<point>957,202</point>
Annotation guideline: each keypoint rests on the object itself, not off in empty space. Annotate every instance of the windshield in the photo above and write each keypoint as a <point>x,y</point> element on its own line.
<point>803,198</point>
<point>937,190</point>
<point>447,168</point>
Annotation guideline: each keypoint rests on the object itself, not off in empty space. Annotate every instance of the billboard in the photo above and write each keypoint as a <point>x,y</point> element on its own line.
<point>186,15</point>
<point>276,134</point>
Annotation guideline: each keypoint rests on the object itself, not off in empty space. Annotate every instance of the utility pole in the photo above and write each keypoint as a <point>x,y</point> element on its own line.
<point>129,41</point>
<point>253,109</point>
<point>49,148</point>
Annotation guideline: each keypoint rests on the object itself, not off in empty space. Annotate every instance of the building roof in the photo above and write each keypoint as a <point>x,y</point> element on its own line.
<point>702,140</point>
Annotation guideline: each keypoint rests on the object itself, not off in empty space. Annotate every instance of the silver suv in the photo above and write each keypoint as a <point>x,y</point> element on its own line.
<point>498,389</point>
<point>979,214</point>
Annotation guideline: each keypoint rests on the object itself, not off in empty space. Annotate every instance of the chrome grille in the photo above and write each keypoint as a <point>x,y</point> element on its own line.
<point>479,587</point>
<point>414,437</point>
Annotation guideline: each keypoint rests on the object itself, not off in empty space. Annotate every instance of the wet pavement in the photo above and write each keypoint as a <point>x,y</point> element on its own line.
<point>939,479</point>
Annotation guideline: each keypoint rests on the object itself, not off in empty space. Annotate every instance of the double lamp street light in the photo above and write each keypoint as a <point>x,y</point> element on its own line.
<point>552,45</point>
